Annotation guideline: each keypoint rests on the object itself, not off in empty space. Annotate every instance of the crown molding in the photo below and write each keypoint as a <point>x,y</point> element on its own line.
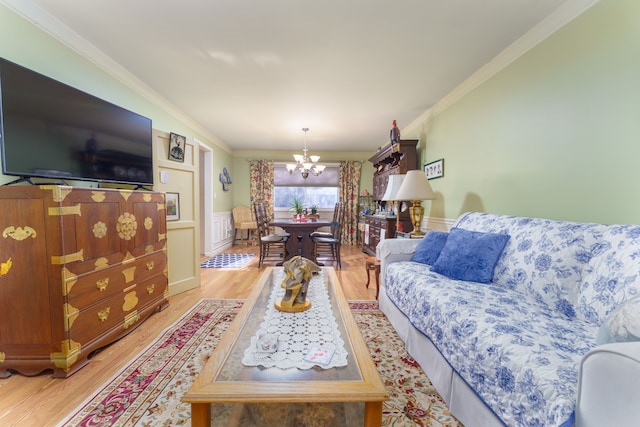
<point>567,12</point>
<point>59,31</point>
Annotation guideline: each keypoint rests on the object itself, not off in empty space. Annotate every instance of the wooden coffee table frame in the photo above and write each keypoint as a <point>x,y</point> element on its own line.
<point>368,389</point>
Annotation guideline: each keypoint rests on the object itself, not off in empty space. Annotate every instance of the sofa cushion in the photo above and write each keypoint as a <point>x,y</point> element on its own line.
<point>519,355</point>
<point>622,325</point>
<point>470,255</point>
<point>612,276</point>
<point>543,259</point>
<point>430,247</point>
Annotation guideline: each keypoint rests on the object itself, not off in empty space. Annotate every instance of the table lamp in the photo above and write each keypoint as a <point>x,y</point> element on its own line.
<point>415,188</point>
<point>393,185</point>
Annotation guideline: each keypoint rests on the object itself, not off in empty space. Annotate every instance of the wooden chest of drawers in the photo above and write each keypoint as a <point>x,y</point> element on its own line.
<point>380,228</point>
<point>80,268</point>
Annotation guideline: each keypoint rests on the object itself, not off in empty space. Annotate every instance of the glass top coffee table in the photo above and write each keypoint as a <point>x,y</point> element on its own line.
<point>229,393</point>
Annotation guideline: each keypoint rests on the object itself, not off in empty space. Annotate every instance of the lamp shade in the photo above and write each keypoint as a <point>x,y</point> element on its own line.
<point>415,186</point>
<point>395,181</point>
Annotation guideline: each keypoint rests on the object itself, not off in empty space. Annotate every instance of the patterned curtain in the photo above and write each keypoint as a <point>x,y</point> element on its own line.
<point>349,183</point>
<point>261,179</point>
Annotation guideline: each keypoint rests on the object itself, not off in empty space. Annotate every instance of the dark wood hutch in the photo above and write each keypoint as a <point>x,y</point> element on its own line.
<point>387,162</point>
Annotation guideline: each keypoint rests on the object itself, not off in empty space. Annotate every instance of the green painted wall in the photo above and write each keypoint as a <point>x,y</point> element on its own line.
<point>223,200</point>
<point>555,134</point>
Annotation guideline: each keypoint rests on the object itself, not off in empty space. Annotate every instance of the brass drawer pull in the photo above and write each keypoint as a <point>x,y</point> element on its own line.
<point>150,265</point>
<point>102,284</point>
<point>151,288</point>
<point>104,314</point>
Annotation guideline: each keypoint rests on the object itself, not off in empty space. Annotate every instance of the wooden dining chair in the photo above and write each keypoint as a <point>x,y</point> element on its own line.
<point>328,248</point>
<point>272,246</point>
<point>267,219</point>
<point>334,223</point>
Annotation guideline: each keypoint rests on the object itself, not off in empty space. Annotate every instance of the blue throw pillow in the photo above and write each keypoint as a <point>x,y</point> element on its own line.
<point>622,325</point>
<point>470,255</point>
<point>429,248</point>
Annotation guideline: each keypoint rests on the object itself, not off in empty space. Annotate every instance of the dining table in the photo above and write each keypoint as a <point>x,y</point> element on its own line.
<point>300,242</point>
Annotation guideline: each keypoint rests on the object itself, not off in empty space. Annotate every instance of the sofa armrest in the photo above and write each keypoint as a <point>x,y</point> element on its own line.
<point>394,250</point>
<point>608,388</point>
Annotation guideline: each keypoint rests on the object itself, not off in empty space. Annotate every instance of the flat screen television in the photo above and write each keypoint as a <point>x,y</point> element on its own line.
<point>51,130</point>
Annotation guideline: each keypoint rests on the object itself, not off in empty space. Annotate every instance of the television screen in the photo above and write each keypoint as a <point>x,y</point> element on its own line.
<point>51,130</point>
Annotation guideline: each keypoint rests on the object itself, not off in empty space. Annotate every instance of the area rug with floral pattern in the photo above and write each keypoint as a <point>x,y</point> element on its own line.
<point>147,391</point>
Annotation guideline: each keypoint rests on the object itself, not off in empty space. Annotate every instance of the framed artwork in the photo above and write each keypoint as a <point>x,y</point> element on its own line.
<point>172,201</point>
<point>434,169</point>
<point>177,145</point>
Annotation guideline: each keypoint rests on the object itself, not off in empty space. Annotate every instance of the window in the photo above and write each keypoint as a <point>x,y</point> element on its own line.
<point>321,190</point>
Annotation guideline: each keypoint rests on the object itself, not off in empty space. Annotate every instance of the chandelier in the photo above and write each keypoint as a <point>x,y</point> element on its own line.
<point>305,163</point>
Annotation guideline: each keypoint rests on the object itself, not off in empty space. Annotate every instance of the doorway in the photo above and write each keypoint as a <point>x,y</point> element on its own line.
<point>205,159</point>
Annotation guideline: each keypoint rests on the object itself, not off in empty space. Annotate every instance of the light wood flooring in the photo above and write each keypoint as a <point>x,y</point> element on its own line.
<point>44,401</point>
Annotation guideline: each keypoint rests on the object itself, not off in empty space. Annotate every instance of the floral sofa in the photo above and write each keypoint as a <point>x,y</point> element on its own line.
<point>522,321</point>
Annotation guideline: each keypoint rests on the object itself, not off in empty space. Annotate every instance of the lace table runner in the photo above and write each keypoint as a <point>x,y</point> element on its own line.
<point>302,338</point>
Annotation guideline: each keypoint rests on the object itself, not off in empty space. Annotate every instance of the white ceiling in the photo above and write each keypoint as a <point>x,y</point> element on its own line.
<point>255,72</point>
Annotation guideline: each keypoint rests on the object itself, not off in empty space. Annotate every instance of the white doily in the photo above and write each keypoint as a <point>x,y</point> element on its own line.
<point>298,333</point>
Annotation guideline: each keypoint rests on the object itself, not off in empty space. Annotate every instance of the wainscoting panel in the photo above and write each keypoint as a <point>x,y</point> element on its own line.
<point>222,225</point>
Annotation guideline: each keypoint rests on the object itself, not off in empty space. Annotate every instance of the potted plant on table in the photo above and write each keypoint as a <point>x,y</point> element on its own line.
<point>297,205</point>
<point>314,209</point>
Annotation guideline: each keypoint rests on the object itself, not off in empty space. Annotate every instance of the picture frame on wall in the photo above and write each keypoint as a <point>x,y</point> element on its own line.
<point>177,145</point>
<point>172,204</point>
<point>434,169</point>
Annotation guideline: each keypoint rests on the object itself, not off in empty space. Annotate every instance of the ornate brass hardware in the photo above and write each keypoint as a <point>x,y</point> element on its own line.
<point>104,314</point>
<point>70,350</point>
<point>148,223</point>
<point>70,315</point>
<point>130,301</point>
<point>126,226</point>
<point>129,274</point>
<point>150,265</point>
<point>102,284</point>
<point>146,197</point>
<point>58,192</point>
<point>63,259</point>
<point>126,194</point>
<point>99,229</point>
<point>101,262</point>
<point>19,233</point>
<point>68,280</point>
<point>5,267</point>
<point>130,319</point>
<point>128,258</point>
<point>98,196</point>
<point>65,210</point>
<point>150,288</point>
<point>130,288</point>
